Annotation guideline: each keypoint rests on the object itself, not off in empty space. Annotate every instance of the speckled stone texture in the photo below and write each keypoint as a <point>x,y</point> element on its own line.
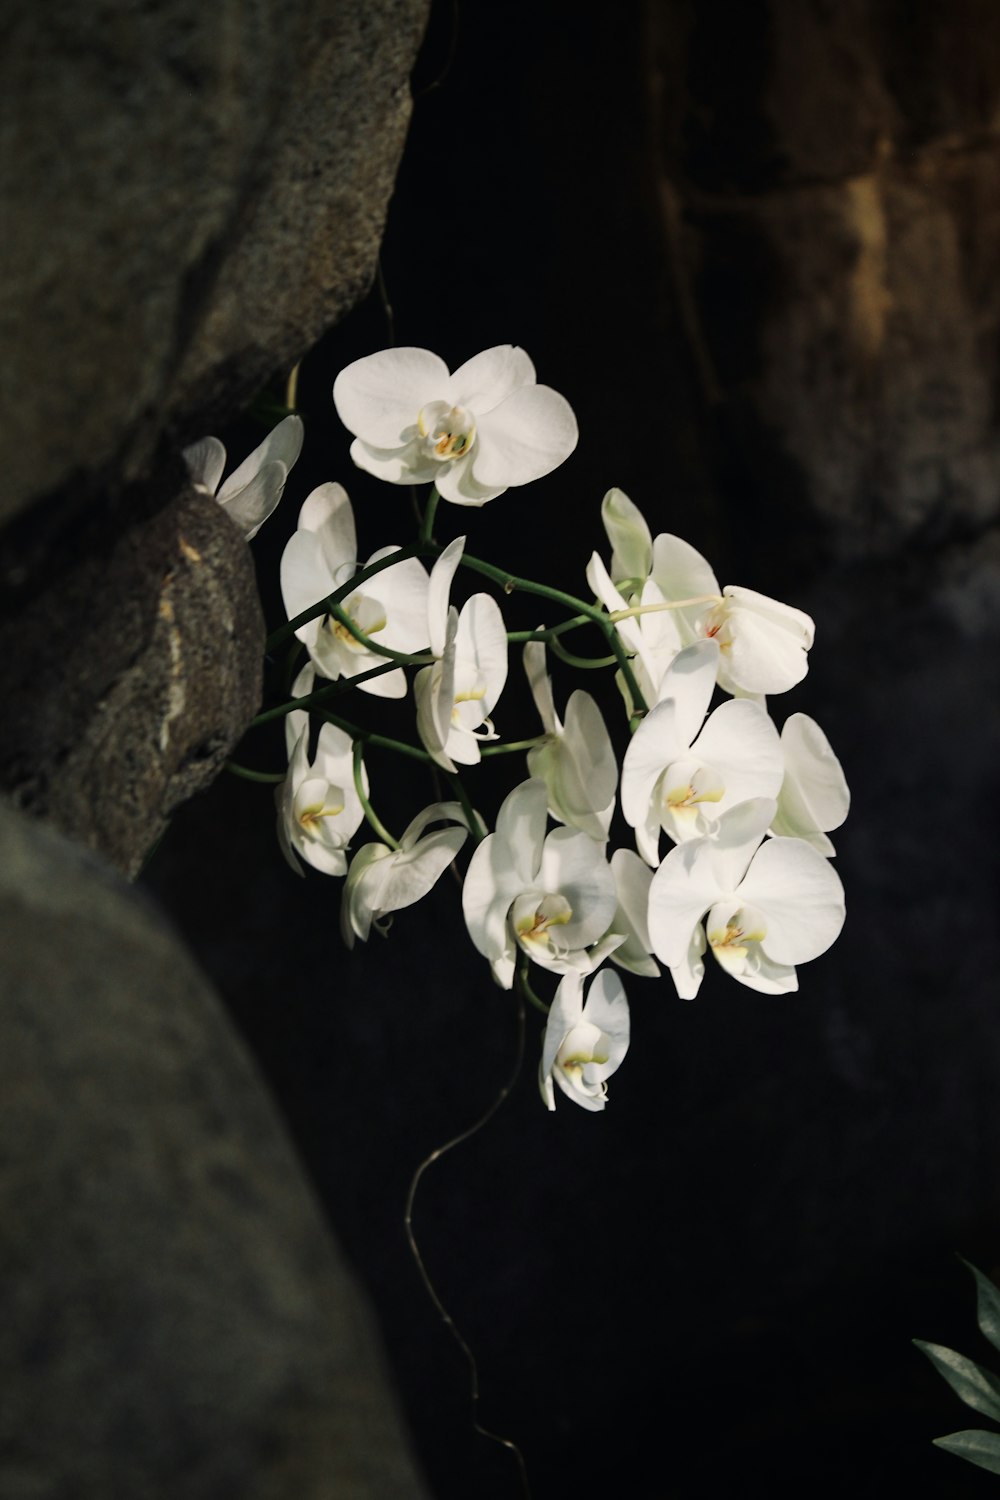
<point>176,1320</point>
<point>130,672</point>
<point>190,195</point>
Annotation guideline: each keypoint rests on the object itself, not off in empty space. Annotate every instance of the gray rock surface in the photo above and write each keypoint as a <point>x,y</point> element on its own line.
<point>127,678</point>
<point>175,1319</point>
<point>190,195</point>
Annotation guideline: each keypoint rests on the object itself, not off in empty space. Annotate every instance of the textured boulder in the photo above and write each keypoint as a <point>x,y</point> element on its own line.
<point>129,675</point>
<point>176,1319</point>
<point>191,195</point>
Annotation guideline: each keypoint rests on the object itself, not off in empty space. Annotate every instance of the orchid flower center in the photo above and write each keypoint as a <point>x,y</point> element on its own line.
<point>314,801</point>
<point>733,933</point>
<point>687,782</point>
<point>448,431</point>
<point>367,614</point>
<point>533,919</point>
<point>716,625</point>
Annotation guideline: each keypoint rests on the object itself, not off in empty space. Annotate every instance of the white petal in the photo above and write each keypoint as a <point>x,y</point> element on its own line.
<point>404,465</point>
<point>482,638</point>
<point>439,593</point>
<point>527,435</point>
<point>298,719</point>
<point>690,681</point>
<point>250,506</point>
<point>521,828</point>
<point>607,1007</point>
<point>632,544</point>
<point>814,796</point>
<point>768,643</point>
<point>283,445</point>
<point>632,879</point>
<point>458,484</point>
<point>541,685</point>
<point>801,896</point>
<point>574,866</point>
<point>681,892</point>
<point>681,571</point>
<point>412,872</point>
<point>489,378</point>
<point>651,749</point>
<point>305,580</point>
<point>206,460</point>
<point>327,512</point>
<point>403,592</point>
<point>688,974</point>
<point>741,743</point>
<point>583,771</point>
<point>379,397</point>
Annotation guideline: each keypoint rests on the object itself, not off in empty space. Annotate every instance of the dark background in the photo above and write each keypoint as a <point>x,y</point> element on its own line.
<point>714,1284</point>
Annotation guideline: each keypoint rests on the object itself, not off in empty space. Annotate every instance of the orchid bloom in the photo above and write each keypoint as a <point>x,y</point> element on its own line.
<point>763,642</point>
<point>456,696</point>
<point>653,639</point>
<point>391,606</point>
<point>576,760</point>
<point>584,1042</point>
<point>473,433</point>
<point>383,880</point>
<point>253,490</point>
<point>319,810</point>
<point>770,905</point>
<point>675,781</point>
<point>632,880</point>
<point>814,797</point>
<point>551,896</point>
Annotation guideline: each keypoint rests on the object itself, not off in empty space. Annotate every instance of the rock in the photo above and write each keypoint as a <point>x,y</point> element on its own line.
<point>130,675</point>
<point>836,248</point>
<point>191,195</point>
<point>177,1320</point>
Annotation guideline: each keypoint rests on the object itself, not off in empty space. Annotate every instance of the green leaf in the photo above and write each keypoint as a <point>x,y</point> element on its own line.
<point>982,1448</point>
<point>988,1305</point>
<point>977,1387</point>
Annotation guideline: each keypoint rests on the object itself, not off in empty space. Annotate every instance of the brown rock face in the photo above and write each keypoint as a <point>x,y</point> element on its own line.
<point>831,178</point>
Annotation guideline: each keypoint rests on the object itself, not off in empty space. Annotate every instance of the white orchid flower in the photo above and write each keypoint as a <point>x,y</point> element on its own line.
<point>319,810</point>
<point>253,490</point>
<point>456,696</point>
<point>551,896</point>
<point>632,880</point>
<point>814,796</point>
<point>763,642</point>
<point>391,606</point>
<point>680,780</point>
<point>576,760</point>
<point>770,905</point>
<point>473,434</point>
<point>652,639</point>
<point>629,535</point>
<point>584,1042</point>
<point>383,880</point>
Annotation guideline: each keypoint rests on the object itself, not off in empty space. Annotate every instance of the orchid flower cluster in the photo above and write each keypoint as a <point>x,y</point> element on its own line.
<point>745,809</point>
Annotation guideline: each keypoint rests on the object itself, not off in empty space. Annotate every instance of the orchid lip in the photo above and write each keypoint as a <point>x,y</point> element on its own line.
<point>448,431</point>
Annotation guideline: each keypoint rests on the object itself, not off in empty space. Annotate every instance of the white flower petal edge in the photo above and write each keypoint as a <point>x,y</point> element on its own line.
<point>392,606</point>
<point>253,490</point>
<point>584,1042</point>
<point>769,906</point>
<point>576,761</point>
<point>474,433</point>
<point>814,796</point>
<point>383,880</point>
<point>319,810</point>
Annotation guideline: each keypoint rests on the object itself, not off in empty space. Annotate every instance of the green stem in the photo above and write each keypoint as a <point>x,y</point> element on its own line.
<point>373,820</point>
<point>461,795</point>
<point>322,607</point>
<point>271,777</point>
<point>380,741</point>
<point>509,583</point>
<point>407,658</point>
<point>427,524</point>
<point>525,987</point>
<point>512,746</point>
<point>586,662</point>
<point>547,632</point>
<point>320,696</point>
